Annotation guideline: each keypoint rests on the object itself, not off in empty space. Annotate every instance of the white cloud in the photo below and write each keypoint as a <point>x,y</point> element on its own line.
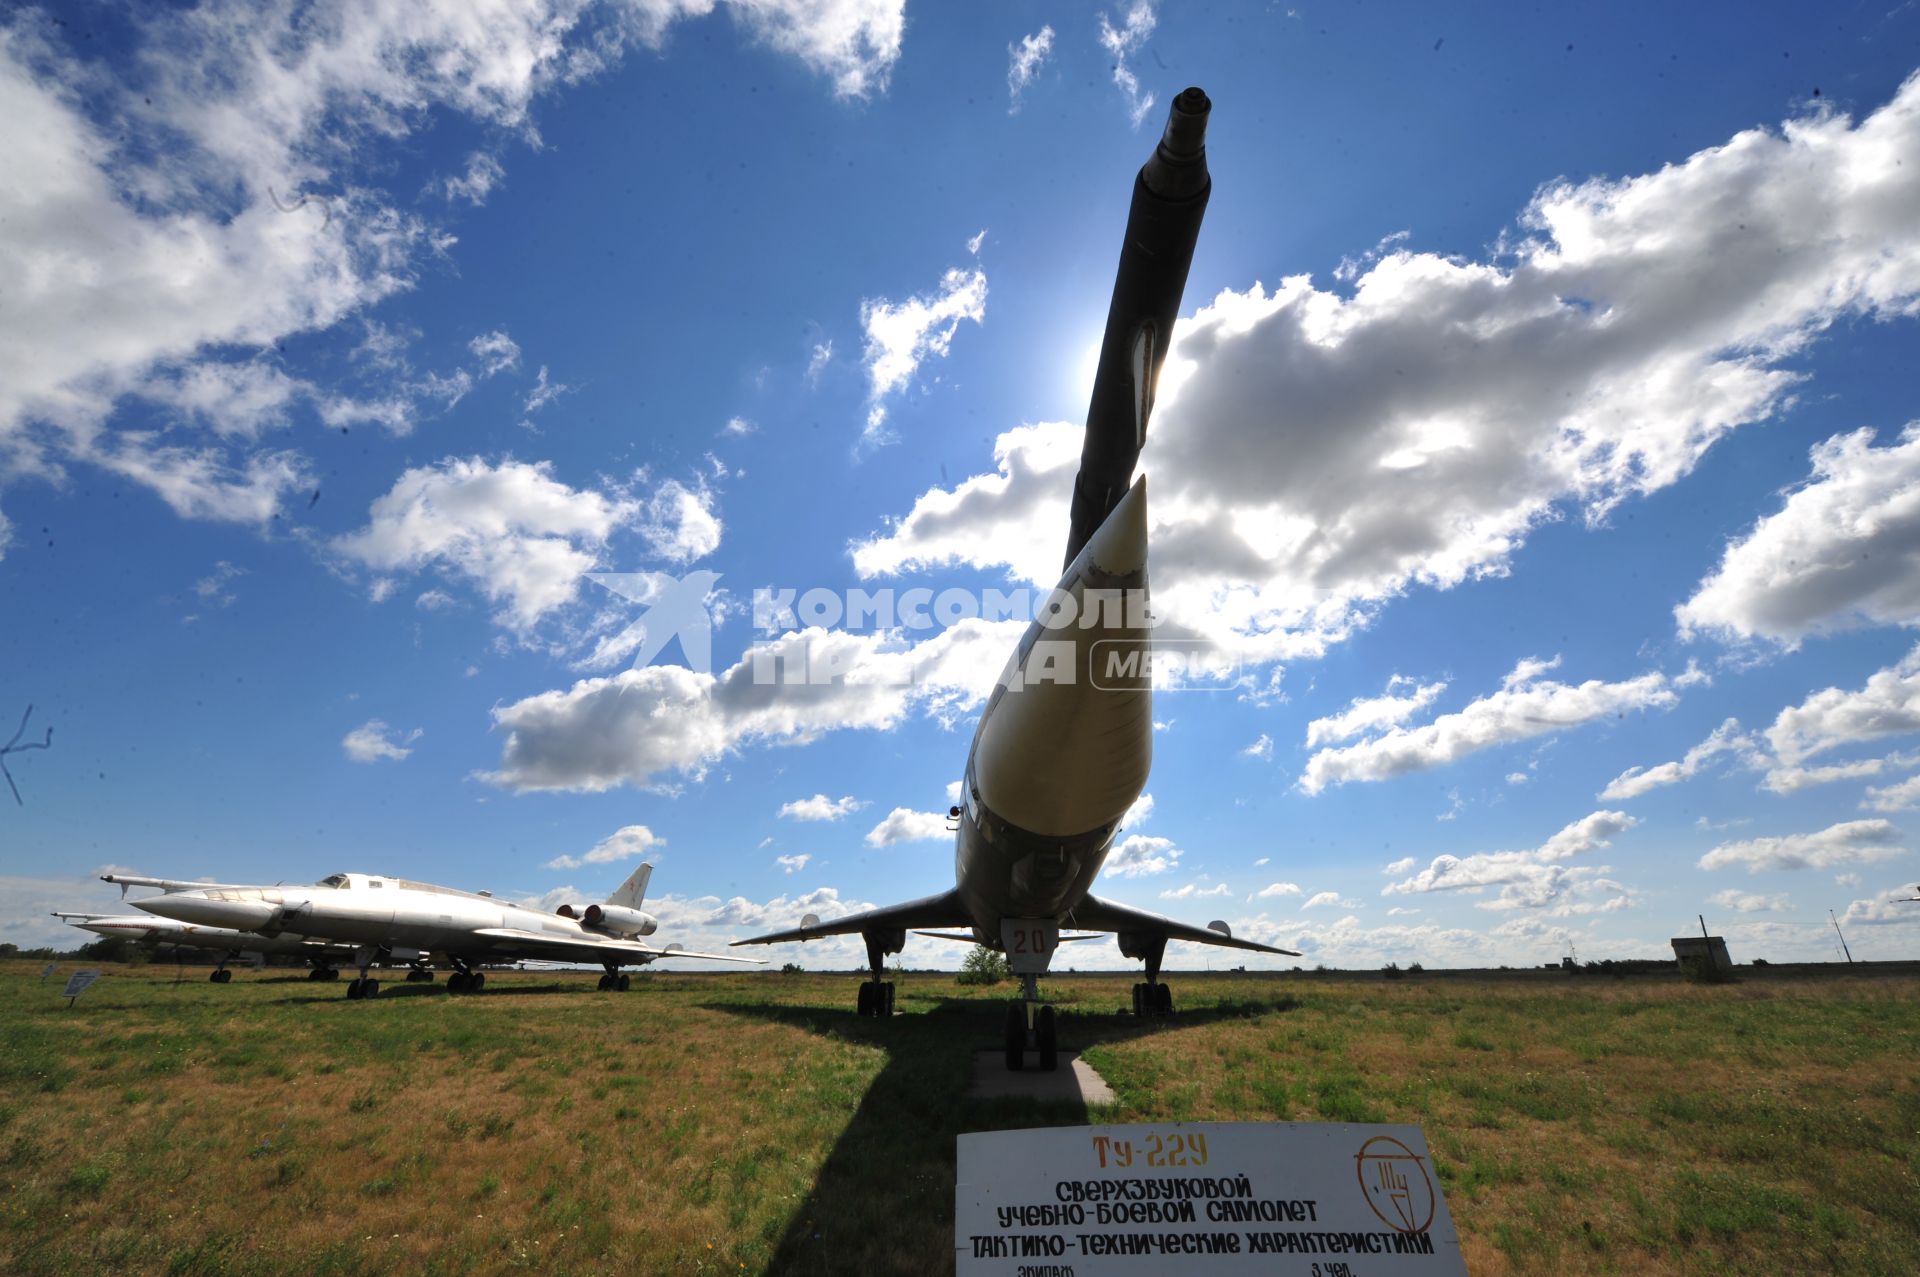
<point>1888,705</point>
<point>792,864</point>
<point>373,741</point>
<point>1263,860</point>
<point>482,175</point>
<point>496,352</point>
<point>1894,907</point>
<point>1534,878</point>
<point>1262,748</point>
<point>1851,842</point>
<point>1523,708</point>
<point>1400,866</point>
<point>903,824</point>
<point>234,400</point>
<point>1901,797</point>
<point>623,844</point>
<point>901,335</point>
<point>641,724</point>
<point>1137,813</point>
<point>1121,44</point>
<point>1194,891</point>
<point>1789,780</point>
<point>1635,781</point>
<point>544,391</point>
<point>1024,60</point>
<point>212,588</point>
<point>522,536</point>
<point>738,427</point>
<point>1747,902</point>
<point>1277,889</point>
<point>1141,855</point>
<point>820,807</point>
<point>1323,898</point>
<point>1369,714</point>
<point>1316,454</point>
<point>1842,552</point>
<point>678,523</point>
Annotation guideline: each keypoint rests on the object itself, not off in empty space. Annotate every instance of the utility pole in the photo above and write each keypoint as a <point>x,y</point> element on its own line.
<point>1842,935</point>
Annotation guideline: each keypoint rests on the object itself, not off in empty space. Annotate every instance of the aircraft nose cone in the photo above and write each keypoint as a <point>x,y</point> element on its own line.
<point>202,909</point>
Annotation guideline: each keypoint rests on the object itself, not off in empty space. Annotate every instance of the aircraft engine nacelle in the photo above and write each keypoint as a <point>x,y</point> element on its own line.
<point>620,919</point>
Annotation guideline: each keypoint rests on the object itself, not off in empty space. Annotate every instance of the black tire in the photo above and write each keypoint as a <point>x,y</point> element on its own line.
<point>888,986</point>
<point>213,977</point>
<point>355,992</point>
<point>605,982</point>
<point>372,989</point>
<point>1162,1000</point>
<point>318,973</point>
<point>866,998</point>
<point>1138,1009</point>
<point>1015,1043</point>
<point>1047,1035</point>
<point>622,981</point>
<point>333,973</point>
<point>479,981</point>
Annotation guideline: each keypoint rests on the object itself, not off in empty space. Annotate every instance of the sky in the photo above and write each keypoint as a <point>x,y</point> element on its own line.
<point>1537,462</point>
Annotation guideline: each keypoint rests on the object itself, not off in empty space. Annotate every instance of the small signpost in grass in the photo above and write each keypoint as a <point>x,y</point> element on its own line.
<point>1335,1199</point>
<point>77,984</point>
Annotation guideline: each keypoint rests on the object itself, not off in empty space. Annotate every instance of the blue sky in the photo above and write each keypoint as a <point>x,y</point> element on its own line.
<point>1512,453</point>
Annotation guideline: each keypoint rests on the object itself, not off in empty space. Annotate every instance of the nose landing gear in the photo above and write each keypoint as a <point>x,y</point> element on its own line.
<point>1040,1030</point>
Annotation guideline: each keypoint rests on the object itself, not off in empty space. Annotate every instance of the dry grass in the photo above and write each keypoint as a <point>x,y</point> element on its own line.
<point>750,1123</point>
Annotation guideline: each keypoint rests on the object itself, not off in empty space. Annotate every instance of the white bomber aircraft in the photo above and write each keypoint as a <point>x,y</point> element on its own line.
<point>1066,739</point>
<point>418,922</point>
<point>325,959</point>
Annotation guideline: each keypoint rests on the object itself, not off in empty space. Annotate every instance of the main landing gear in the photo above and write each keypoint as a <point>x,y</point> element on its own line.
<point>362,986</point>
<point>876,995</point>
<point>324,973</point>
<point>1150,998</point>
<point>420,975</point>
<point>465,979</point>
<point>615,981</point>
<point>1040,1031</point>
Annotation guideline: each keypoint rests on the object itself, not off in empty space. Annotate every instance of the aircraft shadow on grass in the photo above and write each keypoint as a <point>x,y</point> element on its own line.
<point>891,1173</point>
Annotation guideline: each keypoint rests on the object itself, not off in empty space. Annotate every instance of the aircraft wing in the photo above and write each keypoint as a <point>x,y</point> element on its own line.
<point>1095,914</point>
<point>943,910</point>
<point>539,945</point>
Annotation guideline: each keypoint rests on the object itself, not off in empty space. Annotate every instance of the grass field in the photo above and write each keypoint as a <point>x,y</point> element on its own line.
<point>751,1123</point>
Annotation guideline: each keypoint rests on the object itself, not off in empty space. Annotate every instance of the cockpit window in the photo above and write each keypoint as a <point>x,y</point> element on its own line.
<point>333,880</point>
<point>375,882</point>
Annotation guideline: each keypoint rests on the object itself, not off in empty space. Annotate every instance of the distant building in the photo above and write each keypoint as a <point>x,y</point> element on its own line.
<point>1705,954</point>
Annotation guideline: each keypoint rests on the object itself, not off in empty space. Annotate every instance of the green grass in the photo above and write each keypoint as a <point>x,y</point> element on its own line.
<point>751,1123</point>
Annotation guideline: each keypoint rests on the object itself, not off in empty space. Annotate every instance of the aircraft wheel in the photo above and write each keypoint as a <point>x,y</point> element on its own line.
<point>356,991</point>
<point>606,982</point>
<point>371,989</point>
<point>213,977</point>
<point>1016,1036</point>
<point>866,998</point>
<point>333,973</point>
<point>318,973</point>
<point>1045,1031</point>
<point>888,986</point>
<point>1162,999</point>
<point>478,982</point>
<point>1138,1000</point>
<point>419,975</point>
<point>457,982</point>
<point>623,982</point>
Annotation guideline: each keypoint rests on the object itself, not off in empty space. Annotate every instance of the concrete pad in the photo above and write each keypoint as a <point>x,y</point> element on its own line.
<point>1074,1082</point>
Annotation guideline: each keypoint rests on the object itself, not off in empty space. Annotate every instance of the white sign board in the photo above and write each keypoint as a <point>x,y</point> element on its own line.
<point>1317,1199</point>
<point>77,983</point>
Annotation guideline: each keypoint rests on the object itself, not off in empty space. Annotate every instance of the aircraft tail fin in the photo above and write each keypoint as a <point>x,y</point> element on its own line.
<point>634,890</point>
